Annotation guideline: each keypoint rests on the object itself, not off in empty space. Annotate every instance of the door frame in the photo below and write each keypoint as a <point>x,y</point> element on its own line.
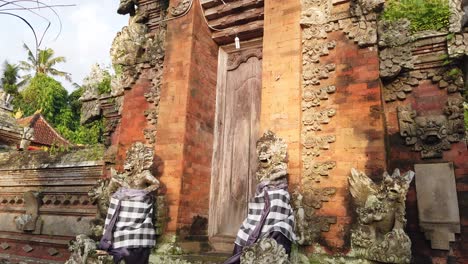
<point>218,145</point>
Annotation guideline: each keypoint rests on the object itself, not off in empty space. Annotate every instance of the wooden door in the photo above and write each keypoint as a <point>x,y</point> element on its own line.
<point>237,129</point>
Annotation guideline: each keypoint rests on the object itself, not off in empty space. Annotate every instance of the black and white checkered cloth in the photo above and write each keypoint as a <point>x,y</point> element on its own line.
<point>280,217</point>
<point>134,226</point>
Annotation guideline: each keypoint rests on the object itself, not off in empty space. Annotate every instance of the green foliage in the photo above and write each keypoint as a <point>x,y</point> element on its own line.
<point>42,62</point>
<point>45,94</point>
<point>465,106</point>
<point>9,79</point>
<point>423,14</point>
<point>89,134</point>
<point>104,87</point>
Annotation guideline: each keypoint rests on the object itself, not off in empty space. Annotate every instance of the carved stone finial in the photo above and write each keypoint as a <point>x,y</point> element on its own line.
<point>265,251</point>
<point>83,250</point>
<point>379,233</point>
<point>272,157</point>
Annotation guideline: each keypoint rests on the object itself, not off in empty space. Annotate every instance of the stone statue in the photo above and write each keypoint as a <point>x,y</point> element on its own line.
<point>127,7</point>
<point>276,220</point>
<point>379,234</point>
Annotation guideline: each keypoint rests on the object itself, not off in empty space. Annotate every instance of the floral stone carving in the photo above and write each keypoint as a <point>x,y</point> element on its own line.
<point>456,15</point>
<point>432,134</point>
<point>379,234</point>
<point>265,251</point>
<point>180,8</point>
<point>272,157</point>
<point>315,171</point>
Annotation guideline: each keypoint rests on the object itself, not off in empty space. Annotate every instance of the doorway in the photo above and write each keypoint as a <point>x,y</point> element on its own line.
<point>234,163</point>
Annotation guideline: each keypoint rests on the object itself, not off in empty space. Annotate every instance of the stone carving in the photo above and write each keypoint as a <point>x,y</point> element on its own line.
<point>432,134</point>
<point>84,250</point>
<point>308,224</point>
<point>154,95</point>
<point>52,251</point>
<point>364,8</point>
<point>265,251</point>
<point>136,175</point>
<point>363,33</point>
<point>150,135</point>
<point>450,78</point>
<point>129,44</point>
<point>379,233</point>
<point>313,75</point>
<point>398,88</point>
<point>394,60</point>
<point>311,97</point>
<point>394,33</point>
<point>152,116</point>
<point>26,137</point>
<point>456,15</point>
<point>5,100</point>
<point>315,171</point>
<point>181,8</point>
<point>30,221</point>
<point>272,157</point>
<point>313,144</point>
<point>315,12</point>
<point>314,49</point>
<point>313,120</point>
<point>439,219</point>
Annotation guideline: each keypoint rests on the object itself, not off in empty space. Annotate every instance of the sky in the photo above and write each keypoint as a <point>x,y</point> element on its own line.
<point>88,29</point>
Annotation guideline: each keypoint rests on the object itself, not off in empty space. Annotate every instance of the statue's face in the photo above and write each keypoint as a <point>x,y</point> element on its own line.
<point>265,155</point>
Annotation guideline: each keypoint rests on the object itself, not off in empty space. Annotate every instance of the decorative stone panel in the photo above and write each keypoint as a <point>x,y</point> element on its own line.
<point>439,217</point>
<point>433,134</point>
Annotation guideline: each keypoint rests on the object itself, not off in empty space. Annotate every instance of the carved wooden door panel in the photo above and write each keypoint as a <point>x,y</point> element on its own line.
<point>234,160</point>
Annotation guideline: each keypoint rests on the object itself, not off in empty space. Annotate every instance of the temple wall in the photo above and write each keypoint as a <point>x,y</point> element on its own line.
<point>60,184</point>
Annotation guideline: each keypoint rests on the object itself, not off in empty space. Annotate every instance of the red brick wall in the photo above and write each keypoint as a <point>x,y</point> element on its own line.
<point>428,99</point>
<point>358,127</point>
<point>198,146</point>
<point>186,117</point>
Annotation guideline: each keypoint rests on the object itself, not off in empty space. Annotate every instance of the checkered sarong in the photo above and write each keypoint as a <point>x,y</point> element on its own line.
<point>280,217</point>
<point>134,226</point>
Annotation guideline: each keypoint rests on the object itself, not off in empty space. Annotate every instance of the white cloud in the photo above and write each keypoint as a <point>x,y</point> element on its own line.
<point>88,30</point>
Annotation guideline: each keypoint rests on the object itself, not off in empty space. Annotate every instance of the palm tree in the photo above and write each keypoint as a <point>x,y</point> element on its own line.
<point>9,79</point>
<point>43,62</point>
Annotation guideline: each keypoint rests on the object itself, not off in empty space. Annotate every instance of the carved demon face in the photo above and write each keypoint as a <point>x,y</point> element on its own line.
<point>272,157</point>
<point>396,185</point>
<point>432,129</point>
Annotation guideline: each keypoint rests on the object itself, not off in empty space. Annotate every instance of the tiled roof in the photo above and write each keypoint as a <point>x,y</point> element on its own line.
<point>44,133</point>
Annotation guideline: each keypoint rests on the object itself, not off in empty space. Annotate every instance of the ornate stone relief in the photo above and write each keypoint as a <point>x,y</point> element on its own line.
<point>366,8</point>
<point>150,135</point>
<point>313,144</point>
<point>363,33</point>
<point>432,134</point>
<point>315,171</point>
<point>379,233</point>
<point>312,97</point>
<point>450,78</point>
<point>265,251</point>
<point>308,224</point>
<point>313,120</point>
<point>180,8</point>
<point>152,116</point>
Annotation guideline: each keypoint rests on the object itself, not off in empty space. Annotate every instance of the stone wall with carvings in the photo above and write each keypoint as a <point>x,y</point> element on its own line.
<point>44,202</point>
<point>424,116</point>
